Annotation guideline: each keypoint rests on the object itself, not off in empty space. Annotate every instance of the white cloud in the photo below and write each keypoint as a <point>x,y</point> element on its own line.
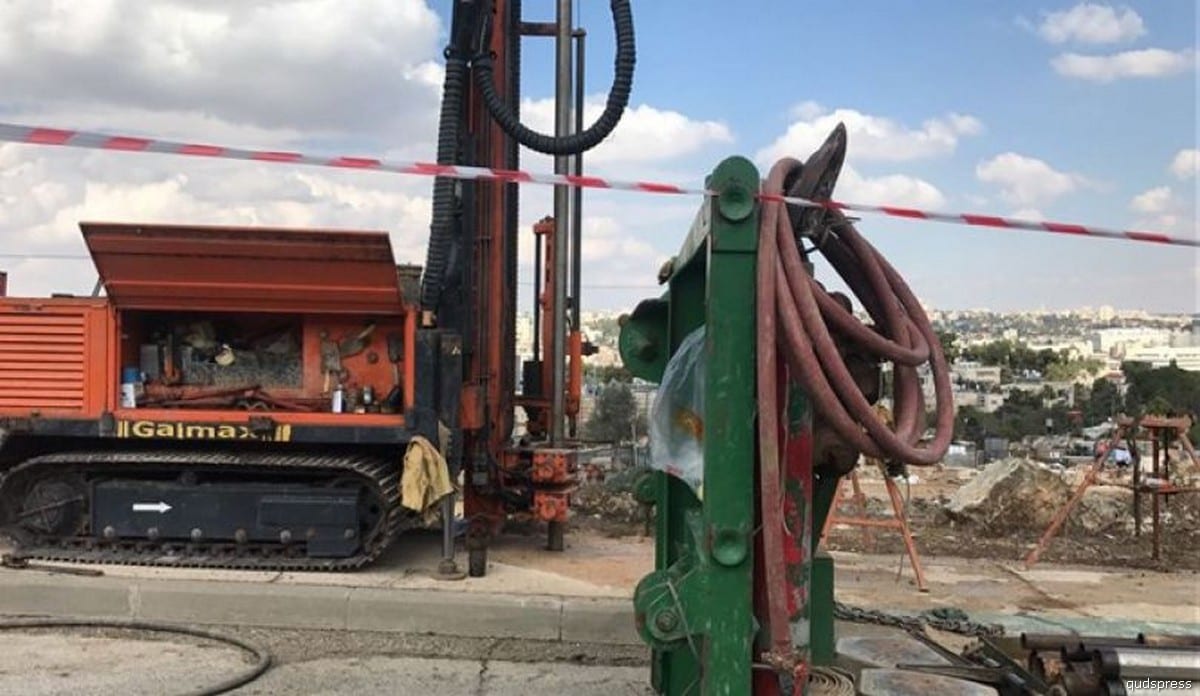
<point>606,241</point>
<point>873,138</point>
<point>807,110</point>
<point>1155,200</point>
<point>1026,181</point>
<point>1092,23</point>
<point>44,194</point>
<point>1028,214</point>
<point>1160,210</point>
<point>870,137</point>
<point>1186,164</point>
<point>1143,63</point>
<point>645,133</point>
<point>307,75</point>
<point>318,65</point>
<point>892,189</point>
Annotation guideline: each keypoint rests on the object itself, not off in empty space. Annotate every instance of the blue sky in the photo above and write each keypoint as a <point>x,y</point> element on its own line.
<point>1070,111</point>
<point>983,59</point>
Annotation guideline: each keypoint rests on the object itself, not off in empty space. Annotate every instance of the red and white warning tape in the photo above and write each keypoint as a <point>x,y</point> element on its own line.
<point>32,135</point>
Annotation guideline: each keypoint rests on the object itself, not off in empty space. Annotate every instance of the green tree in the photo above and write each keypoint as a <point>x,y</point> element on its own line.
<point>614,416</point>
<point>1103,402</point>
<point>973,425</point>
<point>1066,369</point>
<point>1162,391</point>
<point>949,341</point>
<point>1018,357</point>
<point>1023,413</point>
<point>994,353</point>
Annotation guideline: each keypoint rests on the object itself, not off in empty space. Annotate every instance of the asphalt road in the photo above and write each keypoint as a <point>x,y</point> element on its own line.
<point>420,675</point>
<point>101,662</point>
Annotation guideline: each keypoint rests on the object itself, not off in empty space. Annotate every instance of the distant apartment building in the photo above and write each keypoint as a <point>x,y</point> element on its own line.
<point>970,371</point>
<point>1189,338</point>
<point>1064,392</point>
<point>1073,349</point>
<point>1186,358</point>
<point>605,357</point>
<point>524,335</point>
<point>982,401</point>
<point>1119,341</point>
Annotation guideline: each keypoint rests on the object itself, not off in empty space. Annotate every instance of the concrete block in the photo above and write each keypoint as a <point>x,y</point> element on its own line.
<point>245,604</point>
<point>454,613</point>
<point>33,593</point>
<point>599,621</point>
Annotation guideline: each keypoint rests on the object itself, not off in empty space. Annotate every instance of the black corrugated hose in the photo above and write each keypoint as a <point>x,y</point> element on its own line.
<point>618,95</point>
<point>437,258</point>
<point>262,658</point>
<point>442,224</point>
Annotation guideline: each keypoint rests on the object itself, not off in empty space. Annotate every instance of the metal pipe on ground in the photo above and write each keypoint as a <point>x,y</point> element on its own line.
<point>1148,663</point>
<point>1163,640</point>
<point>1071,641</point>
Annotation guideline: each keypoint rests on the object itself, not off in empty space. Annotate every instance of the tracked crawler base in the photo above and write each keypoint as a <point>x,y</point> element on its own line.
<point>262,511</point>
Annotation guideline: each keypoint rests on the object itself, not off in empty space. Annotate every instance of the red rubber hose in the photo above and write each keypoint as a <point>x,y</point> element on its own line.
<point>796,315</point>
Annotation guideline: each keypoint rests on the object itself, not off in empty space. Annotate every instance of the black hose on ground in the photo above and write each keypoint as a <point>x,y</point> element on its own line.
<point>262,656</point>
<point>614,108</point>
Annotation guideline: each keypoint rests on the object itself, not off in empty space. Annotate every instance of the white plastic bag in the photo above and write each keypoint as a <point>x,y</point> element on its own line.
<point>677,417</point>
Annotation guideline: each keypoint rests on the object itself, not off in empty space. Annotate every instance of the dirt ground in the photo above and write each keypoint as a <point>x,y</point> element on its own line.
<point>938,535</point>
<point>609,513</point>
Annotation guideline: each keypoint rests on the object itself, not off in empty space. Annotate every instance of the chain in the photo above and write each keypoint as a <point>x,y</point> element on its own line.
<point>943,619</point>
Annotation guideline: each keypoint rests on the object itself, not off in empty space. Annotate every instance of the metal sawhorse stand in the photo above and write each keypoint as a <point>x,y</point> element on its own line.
<point>898,522</point>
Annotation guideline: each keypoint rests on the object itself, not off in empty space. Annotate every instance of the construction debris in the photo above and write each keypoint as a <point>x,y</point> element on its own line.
<point>1008,494</point>
<point>605,502</point>
<point>1104,509</point>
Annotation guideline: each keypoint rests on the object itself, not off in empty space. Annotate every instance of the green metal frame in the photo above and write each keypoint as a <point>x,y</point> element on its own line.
<point>696,609</point>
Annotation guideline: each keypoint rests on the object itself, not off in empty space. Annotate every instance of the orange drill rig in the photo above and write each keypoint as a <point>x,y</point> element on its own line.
<point>245,397</point>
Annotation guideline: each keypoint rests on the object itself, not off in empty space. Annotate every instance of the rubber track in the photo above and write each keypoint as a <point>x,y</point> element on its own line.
<point>384,475</point>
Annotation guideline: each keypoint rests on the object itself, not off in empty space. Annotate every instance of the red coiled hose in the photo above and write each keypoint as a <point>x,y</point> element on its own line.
<point>796,314</point>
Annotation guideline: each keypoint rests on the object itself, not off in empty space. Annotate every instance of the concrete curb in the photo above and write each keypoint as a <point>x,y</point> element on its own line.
<point>464,614</point>
<point>412,611</point>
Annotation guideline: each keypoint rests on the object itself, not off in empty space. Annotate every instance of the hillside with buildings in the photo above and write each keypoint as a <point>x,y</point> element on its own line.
<point>1024,375</point>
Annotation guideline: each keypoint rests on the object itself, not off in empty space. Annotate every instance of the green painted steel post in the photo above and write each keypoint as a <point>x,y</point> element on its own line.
<point>823,636</point>
<point>696,609</point>
<point>729,427</point>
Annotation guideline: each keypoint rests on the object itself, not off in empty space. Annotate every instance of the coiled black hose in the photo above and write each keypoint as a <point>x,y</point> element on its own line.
<point>614,108</point>
<point>507,116</point>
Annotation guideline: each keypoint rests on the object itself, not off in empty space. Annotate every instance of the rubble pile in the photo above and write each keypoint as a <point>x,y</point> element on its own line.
<point>609,503</point>
<point>1104,509</point>
<point>1185,471</point>
<point>1010,494</point>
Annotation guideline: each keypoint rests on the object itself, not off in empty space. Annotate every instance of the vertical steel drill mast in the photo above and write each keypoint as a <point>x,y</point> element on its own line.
<point>469,288</point>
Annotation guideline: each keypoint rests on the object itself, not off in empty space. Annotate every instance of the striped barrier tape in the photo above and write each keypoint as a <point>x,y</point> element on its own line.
<point>32,135</point>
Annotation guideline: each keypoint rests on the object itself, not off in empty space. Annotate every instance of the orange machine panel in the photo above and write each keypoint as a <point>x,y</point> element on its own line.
<point>237,269</point>
<point>53,355</point>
